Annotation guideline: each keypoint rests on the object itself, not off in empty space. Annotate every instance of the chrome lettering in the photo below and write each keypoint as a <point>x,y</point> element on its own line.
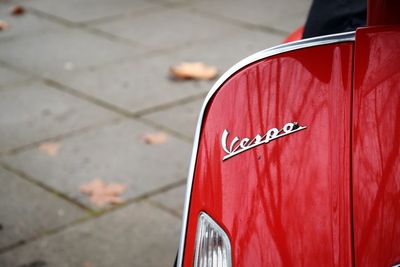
<point>240,145</point>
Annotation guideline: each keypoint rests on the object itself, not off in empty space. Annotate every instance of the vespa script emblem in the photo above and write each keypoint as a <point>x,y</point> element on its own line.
<point>241,145</point>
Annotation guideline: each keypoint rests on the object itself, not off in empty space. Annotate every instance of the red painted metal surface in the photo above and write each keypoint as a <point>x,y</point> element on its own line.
<point>376,147</point>
<point>285,203</point>
<point>296,35</point>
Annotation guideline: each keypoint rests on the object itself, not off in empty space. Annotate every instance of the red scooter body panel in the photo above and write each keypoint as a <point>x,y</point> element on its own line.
<point>376,147</point>
<point>287,202</point>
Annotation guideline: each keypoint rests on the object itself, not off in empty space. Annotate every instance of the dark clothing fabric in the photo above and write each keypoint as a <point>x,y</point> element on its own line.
<point>335,16</point>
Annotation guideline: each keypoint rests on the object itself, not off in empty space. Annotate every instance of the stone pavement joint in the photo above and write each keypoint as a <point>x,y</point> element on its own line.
<point>144,196</point>
<point>51,17</point>
<point>133,115</point>
<point>128,114</point>
<point>60,137</point>
<point>15,84</point>
<point>147,197</point>
<point>88,25</point>
<point>111,37</point>
<point>171,104</point>
<point>91,214</point>
<point>88,98</point>
<point>157,191</point>
<point>49,189</point>
<point>149,10</point>
<point>44,234</point>
<point>160,127</point>
<point>244,24</point>
<point>165,208</point>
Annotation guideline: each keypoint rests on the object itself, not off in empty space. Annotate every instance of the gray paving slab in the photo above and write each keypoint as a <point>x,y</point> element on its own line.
<point>282,15</point>
<point>88,10</point>
<point>169,2</point>
<point>28,211</point>
<point>135,85</point>
<point>170,28</point>
<point>30,113</point>
<point>114,153</point>
<point>171,199</point>
<point>223,53</point>
<point>227,51</point>
<point>9,77</point>
<point>53,54</point>
<point>144,83</point>
<point>181,118</point>
<point>24,25</point>
<point>217,32</point>
<point>138,235</point>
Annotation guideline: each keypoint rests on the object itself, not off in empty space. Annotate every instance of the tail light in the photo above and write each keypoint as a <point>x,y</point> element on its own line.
<point>213,248</point>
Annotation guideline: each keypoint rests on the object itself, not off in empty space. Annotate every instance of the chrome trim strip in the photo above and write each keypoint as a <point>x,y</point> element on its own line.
<point>316,41</point>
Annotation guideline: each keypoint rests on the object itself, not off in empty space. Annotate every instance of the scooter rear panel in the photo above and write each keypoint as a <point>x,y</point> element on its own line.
<point>285,202</point>
<point>376,147</point>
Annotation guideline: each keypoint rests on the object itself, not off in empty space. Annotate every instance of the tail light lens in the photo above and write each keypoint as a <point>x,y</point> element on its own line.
<point>213,248</point>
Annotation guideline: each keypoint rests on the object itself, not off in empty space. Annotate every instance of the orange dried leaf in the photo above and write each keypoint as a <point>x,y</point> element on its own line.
<point>87,264</point>
<point>155,139</point>
<point>50,148</point>
<point>115,189</point>
<point>102,200</point>
<point>17,10</point>
<point>101,193</point>
<point>3,25</point>
<point>96,185</point>
<point>194,70</point>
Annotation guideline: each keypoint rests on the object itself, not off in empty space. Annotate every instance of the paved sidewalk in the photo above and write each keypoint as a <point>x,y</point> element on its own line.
<point>91,77</point>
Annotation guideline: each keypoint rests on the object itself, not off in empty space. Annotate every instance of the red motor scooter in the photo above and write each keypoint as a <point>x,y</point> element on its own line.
<point>296,157</point>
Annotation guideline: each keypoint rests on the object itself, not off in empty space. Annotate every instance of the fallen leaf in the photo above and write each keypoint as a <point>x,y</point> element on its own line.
<point>115,189</point>
<point>3,25</point>
<point>194,70</point>
<point>101,193</point>
<point>155,139</point>
<point>96,185</point>
<point>50,148</point>
<point>17,10</point>
<point>87,264</point>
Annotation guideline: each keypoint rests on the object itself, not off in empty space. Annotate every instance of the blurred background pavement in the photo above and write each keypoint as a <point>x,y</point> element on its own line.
<point>82,84</point>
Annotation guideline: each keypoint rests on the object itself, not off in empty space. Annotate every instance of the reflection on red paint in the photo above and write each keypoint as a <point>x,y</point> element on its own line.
<point>376,147</point>
<point>328,195</point>
<point>285,203</point>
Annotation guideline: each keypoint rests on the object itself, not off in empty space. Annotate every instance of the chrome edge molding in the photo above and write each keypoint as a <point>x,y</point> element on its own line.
<point>311,42</point>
